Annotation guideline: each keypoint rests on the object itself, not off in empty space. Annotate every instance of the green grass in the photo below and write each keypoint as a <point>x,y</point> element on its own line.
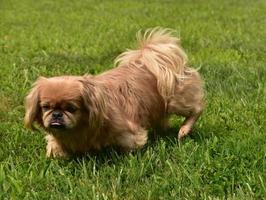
<point>225,157</point>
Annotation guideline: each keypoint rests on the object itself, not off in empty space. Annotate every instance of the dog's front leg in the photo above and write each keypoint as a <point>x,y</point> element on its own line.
<point>54,148</point>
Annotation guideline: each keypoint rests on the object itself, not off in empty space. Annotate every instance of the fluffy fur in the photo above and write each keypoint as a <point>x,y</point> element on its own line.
<point>117,107</point>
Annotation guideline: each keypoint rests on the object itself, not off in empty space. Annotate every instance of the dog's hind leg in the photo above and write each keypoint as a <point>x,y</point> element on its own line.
<point>132,136</point>
<point>191,114</point>
<point>187,125</point>
<point>188,102</point>
<point>130,141</point>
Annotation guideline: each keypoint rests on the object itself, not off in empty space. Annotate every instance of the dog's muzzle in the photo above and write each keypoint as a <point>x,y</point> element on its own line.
<point>57,120</point>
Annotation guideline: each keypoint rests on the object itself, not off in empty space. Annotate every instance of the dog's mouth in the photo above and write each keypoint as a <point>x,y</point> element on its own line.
<point>57,124</point>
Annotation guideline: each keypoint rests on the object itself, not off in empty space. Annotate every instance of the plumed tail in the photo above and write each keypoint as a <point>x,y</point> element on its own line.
<point>159,51</point>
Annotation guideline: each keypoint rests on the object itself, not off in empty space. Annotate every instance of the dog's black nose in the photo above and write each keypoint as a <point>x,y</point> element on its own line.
<point>57,114</point>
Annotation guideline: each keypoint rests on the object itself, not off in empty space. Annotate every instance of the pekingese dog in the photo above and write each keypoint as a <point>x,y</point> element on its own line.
<point>117,107</point>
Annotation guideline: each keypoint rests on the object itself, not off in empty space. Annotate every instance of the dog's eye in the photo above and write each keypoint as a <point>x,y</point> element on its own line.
<point>71,108</point>
<point>45,107</point>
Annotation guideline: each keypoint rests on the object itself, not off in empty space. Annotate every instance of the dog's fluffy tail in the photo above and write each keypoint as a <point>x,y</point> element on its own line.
<point>159,51</point>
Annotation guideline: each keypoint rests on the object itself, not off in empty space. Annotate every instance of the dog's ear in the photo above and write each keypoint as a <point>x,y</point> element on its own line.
<point>94,101</point>
<point>32,106</point>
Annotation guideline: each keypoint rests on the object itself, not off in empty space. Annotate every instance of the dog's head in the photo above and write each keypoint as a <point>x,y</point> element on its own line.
<point>61,104</point>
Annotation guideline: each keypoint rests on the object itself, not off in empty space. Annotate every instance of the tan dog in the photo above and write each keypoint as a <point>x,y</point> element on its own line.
<point>83,113</point>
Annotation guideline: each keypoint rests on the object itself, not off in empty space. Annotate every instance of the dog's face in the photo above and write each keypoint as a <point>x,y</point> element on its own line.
<point>65,104</point>
<point>60,104</point>
<point>63,114</point>
<point>57,104</point>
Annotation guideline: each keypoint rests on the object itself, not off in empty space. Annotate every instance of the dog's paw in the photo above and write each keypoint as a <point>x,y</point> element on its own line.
<point>183,131</point>
<point>55,150</point>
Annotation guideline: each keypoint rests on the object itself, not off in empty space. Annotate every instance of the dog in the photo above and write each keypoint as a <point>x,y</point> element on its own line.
<point>86,113</point>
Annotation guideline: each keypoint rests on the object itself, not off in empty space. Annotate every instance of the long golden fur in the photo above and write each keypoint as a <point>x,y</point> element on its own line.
<point>117,107</point>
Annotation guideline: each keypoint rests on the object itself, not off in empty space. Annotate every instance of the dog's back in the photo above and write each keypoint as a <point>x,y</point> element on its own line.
<point>154,81</point>
<point>180,86</point>
<point>162,55</point>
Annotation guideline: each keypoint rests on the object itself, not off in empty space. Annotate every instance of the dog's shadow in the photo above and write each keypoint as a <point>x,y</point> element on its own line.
<point>114,155</point>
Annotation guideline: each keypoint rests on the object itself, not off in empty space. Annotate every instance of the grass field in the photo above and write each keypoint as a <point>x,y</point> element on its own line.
<point>225,156</point>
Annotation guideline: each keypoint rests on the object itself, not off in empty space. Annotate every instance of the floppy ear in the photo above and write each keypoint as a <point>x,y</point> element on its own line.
<point>32,104</point>
<point>94,101</point>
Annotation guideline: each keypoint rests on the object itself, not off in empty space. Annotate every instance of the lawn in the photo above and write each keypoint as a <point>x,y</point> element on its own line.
<point>224,157</point>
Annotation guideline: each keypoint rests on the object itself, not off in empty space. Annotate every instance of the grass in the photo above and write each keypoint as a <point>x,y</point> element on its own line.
<point>225,157</point>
